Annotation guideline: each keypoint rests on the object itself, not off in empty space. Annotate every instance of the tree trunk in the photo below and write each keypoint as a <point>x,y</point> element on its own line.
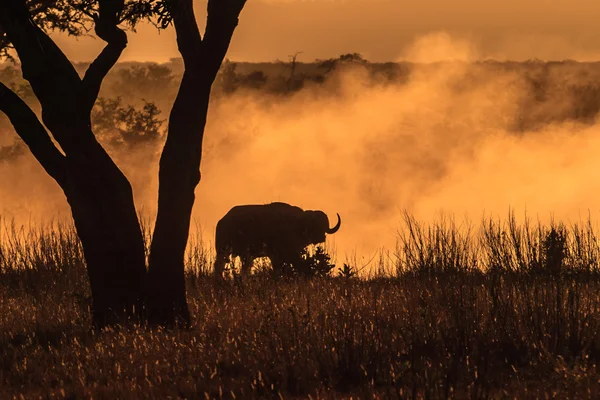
<point>100,196</point>
<point>178,176</point>
<point>103,210</point>
<point>180,160</point>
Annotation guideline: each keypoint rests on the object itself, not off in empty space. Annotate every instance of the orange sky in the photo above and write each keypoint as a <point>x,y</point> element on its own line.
<point>381,29</point>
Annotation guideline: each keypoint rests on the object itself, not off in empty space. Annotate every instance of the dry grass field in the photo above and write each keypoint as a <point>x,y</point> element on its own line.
<point>502,311</point>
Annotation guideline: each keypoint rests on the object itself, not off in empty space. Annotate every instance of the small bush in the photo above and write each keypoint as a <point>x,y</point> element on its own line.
<point>311,264</point>
<point>347,271</point>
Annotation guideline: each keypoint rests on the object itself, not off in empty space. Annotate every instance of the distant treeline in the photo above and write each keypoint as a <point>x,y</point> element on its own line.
<point>134,93</point>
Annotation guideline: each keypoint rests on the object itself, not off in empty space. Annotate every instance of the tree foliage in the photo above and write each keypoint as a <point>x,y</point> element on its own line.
<point>78,17</point>
<point>125,125</point>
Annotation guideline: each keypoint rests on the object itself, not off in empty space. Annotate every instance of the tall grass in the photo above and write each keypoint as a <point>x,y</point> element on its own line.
<point>506,309</point>
<point>498,246</point>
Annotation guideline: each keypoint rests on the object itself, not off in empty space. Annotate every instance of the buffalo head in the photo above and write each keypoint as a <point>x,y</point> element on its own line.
<point>317,225</point>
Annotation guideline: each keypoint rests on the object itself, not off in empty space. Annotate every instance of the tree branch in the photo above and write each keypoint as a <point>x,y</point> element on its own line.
<point>106,28</point>
<point>221,22</point>
<point>54,80</point>
<point>189,39</point>
<point>206,54</point>
<point>33,133</point>
<point>44,65</point>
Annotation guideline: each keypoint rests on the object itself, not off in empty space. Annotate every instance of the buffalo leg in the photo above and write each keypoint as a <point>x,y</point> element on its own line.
<point>277,264</point>
<point>247,262</point>
<point>220,262</point>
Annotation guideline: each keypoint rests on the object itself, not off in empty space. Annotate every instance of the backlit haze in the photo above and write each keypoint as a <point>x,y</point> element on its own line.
<point>369,150</point>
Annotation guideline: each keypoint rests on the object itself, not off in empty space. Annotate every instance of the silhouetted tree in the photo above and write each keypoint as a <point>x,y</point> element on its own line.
<point>291,81</point>
<point>126,126</point>
<point>332,63</point>
<point>99,195</point>
<point>227,77</point>
<point>254,80</point>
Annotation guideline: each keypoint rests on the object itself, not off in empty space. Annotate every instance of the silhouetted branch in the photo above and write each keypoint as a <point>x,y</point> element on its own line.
<point>189,39</point>
<point>52,77</point>
<point>222,20</point>
<point>44,65</point>
<point>33,133</point>
<point>116,39</point>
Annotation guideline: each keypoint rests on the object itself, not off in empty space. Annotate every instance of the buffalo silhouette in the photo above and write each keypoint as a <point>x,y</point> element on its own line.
<point>278,231</point>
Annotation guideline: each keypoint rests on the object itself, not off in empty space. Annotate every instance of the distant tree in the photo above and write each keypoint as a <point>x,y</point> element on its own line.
<point>148,81</point>
<point>99,195</point>
<point>293,63</point>
<point>153,74</point>
<point>11,77</point>
<point>227,78</point>
<point>254,80</point>
<point>126,126</point>
<point>332,63</point>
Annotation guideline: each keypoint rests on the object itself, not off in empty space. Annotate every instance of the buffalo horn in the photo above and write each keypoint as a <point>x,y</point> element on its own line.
<point>336,227</point>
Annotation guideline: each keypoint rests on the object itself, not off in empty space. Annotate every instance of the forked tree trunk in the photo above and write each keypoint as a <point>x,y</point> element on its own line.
<point>180,160</point>
<point>179,175</point>
<point>105,218</point>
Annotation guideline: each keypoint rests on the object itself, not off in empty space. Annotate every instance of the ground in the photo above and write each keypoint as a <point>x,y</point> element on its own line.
<point>418,333</point>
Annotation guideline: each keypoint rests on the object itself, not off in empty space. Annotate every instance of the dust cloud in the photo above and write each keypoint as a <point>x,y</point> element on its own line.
<point>457,138</point>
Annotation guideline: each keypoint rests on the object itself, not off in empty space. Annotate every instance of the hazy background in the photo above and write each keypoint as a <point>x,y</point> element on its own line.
<point>366,148</point>
<point>380,29</point>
